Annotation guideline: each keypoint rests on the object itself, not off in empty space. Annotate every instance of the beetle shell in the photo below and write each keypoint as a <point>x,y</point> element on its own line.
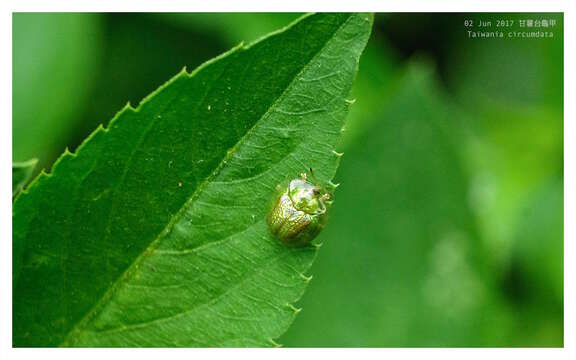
<point>298,212</point>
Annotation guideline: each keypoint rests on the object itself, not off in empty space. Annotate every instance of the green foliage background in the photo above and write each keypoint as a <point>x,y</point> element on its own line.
<point>447,229</point>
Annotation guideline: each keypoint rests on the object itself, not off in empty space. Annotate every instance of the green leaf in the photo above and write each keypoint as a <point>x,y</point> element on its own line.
<point>533,276</point>
<point>233,27</point>
<point>539,240</point>
<point>154,232</point>
<point>511,152</point>
<point>55,55</point>
<point>21,173</point>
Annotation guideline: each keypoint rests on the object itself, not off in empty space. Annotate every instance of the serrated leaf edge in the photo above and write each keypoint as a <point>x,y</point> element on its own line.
<point>67,154</point>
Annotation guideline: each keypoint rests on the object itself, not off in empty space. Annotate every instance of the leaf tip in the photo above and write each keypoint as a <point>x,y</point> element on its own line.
<point>129,107</point>
<point>333,185</point>
<point>338,154</point>
<point>42,174</point>
<point>306,279</point>
<point>102,128</point>
<point>274,343</point>
<point>67,152</point>
<point>294,309</point>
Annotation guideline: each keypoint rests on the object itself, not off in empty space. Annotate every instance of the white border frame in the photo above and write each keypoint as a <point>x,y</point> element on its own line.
<point>566,6</point>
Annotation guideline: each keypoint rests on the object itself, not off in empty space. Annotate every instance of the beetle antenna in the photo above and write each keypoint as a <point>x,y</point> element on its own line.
<point>313,176</point>
<point>322,187</point>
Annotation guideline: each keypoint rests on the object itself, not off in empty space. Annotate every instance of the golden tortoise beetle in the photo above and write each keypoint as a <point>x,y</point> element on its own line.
<point>298,212</point>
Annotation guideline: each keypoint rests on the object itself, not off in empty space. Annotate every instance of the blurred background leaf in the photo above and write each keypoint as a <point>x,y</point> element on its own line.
<point>231,27</point>
<point>54,56</point>
<point>401,261</point>
<point>21,173</point>
<point>448,227</point>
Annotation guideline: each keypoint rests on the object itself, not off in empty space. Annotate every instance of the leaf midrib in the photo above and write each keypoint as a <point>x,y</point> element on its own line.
<point>69,339</point>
